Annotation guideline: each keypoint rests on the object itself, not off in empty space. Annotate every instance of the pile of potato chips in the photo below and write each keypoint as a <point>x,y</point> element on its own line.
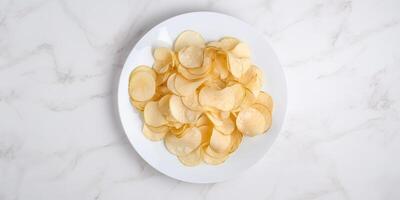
<point>201,98</point>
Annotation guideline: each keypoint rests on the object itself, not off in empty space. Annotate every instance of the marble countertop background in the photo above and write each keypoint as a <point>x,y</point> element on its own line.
<point>60,135</point>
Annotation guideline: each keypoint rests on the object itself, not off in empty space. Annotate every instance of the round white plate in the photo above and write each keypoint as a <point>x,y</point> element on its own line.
<point>212,26</point>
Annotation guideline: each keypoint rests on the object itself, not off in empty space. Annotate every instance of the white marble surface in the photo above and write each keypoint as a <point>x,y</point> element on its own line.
<point>60,136</point>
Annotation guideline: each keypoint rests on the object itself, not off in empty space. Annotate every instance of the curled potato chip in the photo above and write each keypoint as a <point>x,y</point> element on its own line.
<point>251,122</point>
<point>219,142</point>
<point>163,59</point>
<point>138,104</point>
<point>185,73</point>
<point>249,99</point>
<point>184,145</point>
<point>219,99</point>
<point>203,121</point>
<point>267,115</point>
<point>252,80</point>
<point>214,118</point>
<point>192,159</point>
<point>191,57</point>
<point>185,87</point>
<point>142,84</point>
<point>180,112</point>
<point>153,116</point>
<point>188,38</point>
<point>228,43</point>
<point>171,84</point>
<point>236,140</point>
<point>266,100</point>
<point>220,66</point>
<point>241,50</point>
<point>206,131</point>
<point>178,131</point>
<point>153,135</point>
<point>235,66</point>
<point>207,158</point>
<point>227,126</point>
<point>192,102</point>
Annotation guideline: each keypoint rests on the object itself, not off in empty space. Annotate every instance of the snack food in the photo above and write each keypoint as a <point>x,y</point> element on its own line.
<point>201,98</point>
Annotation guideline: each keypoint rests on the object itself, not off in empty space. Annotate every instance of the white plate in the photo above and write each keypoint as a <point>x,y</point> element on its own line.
<point>212,26</point>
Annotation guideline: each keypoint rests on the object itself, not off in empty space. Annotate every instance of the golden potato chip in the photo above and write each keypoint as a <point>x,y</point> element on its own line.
<point>178,131</point>
<point>138,104</point>
<point>219,142</point>
<point>213,160</point>
<point>192,102</point>
<point>252,80</point>
<point>266,100</point>
<point>214,118</point>
<point>153,116</point>
<point>191,57</point>
<point>171,84</point>
<point>215,44</point>
<point>163,59</point>
<point>228,43</point>
<point>249,99</point>
<point>203,121</point>
<point>241,50</point>
<point>219,99</point>
<point>192,159</point>
<point>206,131</point>
<point>152,135</point>
<point>184,145</point>
<point>185,73</point>
<point>220,66</point>
<point>162,78</point>
<point>188,38</point>
<point>163,106</point>
<point>227,127</point>
<point>235,66</point>
<point>266,113</point>
<point>236,140</point>
<point>142,84</point>
<point>180,112</point>
<point>251,122</point>
<point>185,87</point>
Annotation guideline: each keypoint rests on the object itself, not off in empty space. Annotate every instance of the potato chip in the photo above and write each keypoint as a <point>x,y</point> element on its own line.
<point>266,100</point>
<point>184,145</point>
<point>251,122</point>
<point>192,159</point>
<point>138,104</point>
<point>192,102</point>
<point>266,113</point>
<point>152,135</point>
<point>213,160</point>
<point>163,59</point>
<point>228,43</point>
<point>227,126</point>
<point>214,118</point>
<point>171,84</point>
<point>180,112</point>
<point>206,132</point>
<point>220,66</point>
<point>153,116</point>
<point>188,38</point>
<point>241,50</point>
<point>178,131</point>
<point>219,99</point>
<point>142,84</point>
<point>191,57</point>
<point>236,140</point>
<point>203,121</point>
<point>219,142</point>
<point>185,87</point>
<point>185,73</point>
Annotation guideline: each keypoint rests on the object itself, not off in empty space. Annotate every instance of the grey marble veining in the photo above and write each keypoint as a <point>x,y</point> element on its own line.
<point>60,135</point>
